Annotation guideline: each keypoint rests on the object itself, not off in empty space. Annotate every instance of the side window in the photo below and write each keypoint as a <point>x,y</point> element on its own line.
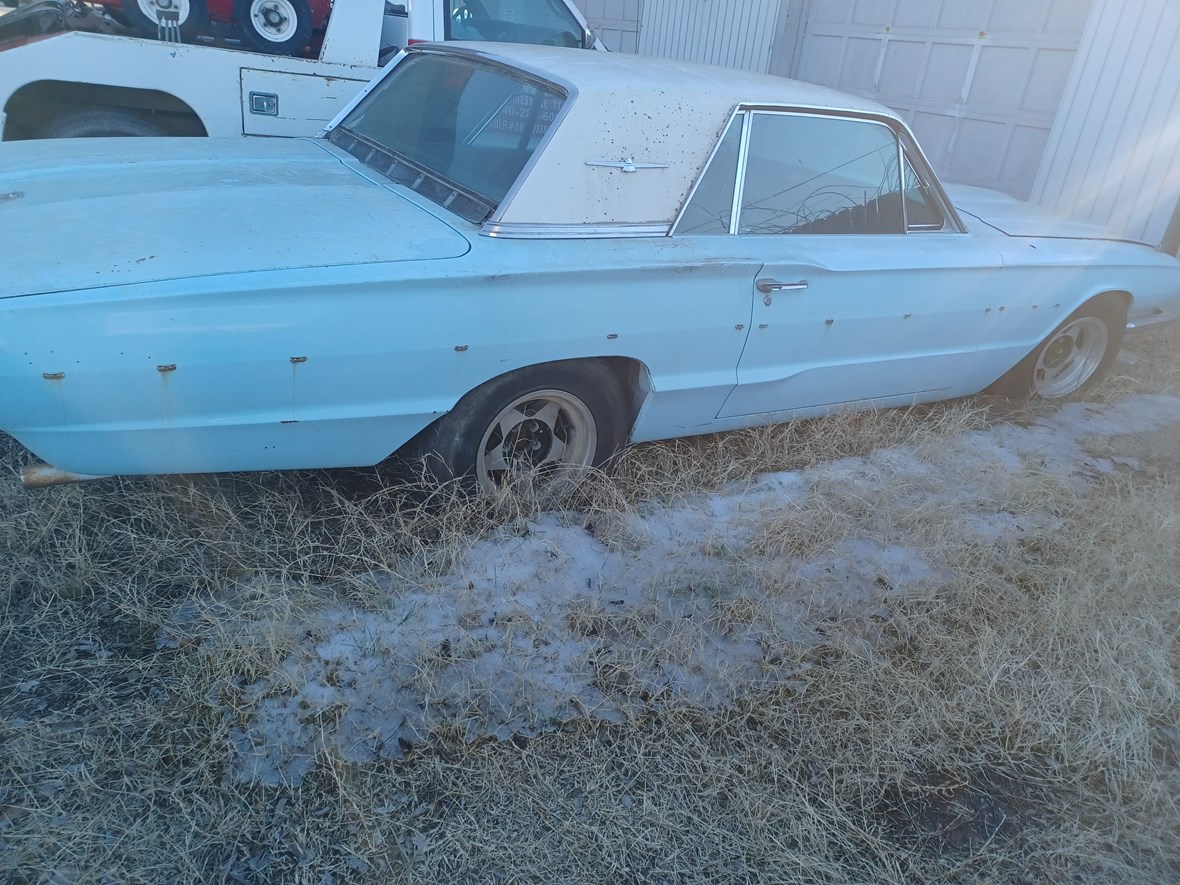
<point>821,175</point>
<point>710,208</point>
<point>548,22</point>
<point>922,212</point>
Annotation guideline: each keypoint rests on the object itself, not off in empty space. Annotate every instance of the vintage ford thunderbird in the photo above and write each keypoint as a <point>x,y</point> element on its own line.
<point>520,256</point>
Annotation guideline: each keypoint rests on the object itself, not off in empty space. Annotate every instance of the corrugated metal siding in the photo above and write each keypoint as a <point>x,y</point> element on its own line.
<point>734,33</point>
<point>980,82</point>
<point>1114,154</point>
<point>616,22</point>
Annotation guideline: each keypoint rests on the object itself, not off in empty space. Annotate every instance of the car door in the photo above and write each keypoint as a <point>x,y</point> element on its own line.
<point>868,289</point>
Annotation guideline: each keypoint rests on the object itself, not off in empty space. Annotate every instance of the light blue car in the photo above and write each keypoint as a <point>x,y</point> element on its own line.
<point>523,257</point>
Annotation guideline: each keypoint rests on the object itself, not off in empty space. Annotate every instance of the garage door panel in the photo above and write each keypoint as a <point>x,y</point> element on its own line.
<point>821,60</point>
<point>1050,73</point>
<point>990,141</point>
<point>1001,76</point>
<point>1022,158</point>
<point>964,16</point>
<point>860,64</point>
<point>872,12</point>
<point>835,11</point>
<point>981,80</point>
<point>616,22</point>
<point>935,132</point>
<point>916,13</point>
<point>903,66</point>
<point>1019,15</point>
<point>1067,17</point>
<point>946,73</point>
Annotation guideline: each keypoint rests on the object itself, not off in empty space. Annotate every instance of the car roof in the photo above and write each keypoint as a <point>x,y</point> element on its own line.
<point>615,71</point>
<point>666,113</point>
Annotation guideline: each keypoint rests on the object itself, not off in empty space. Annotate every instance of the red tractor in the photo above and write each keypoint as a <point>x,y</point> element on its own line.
<point>281,27</point>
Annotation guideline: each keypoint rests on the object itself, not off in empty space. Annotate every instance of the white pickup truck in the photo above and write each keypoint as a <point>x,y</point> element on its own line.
<point>75,82</point>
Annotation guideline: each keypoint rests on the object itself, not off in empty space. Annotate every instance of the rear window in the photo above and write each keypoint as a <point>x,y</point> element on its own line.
<point>453,129</point>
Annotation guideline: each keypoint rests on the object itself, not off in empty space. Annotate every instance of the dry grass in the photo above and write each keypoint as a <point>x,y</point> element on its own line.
<point>1020,724</point>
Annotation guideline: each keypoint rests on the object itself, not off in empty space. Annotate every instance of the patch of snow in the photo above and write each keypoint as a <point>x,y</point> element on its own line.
<point>564,620</point>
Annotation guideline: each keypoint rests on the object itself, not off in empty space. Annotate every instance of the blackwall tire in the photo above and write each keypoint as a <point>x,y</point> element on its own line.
<point>141,15</point>
<point>1075,357</point>
<point>558,418</point>
<point>278,27</point>
<point>100,123</point>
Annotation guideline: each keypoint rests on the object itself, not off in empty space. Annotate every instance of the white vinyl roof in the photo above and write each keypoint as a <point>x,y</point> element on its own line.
<point>645,110</point>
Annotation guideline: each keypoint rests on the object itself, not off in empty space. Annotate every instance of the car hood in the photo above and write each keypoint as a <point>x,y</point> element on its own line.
<point>79,214</point>
<point>1017,218</point>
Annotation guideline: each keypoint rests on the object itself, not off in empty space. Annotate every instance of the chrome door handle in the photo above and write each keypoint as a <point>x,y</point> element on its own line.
<point>767,285</point>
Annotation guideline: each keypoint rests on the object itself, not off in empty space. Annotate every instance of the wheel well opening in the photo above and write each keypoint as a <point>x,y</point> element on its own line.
<point>1127,297</point>
<point>37,105</point>
<point>634,380</point>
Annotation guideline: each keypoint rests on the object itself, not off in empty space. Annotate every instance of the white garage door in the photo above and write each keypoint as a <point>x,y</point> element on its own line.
<point>616,22</point>
<point>978,80</point>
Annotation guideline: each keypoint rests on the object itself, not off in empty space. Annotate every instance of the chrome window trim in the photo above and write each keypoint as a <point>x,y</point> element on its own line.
<point>907,147</point>
<point>905,211</point>
<point>951,222</point>
<point>878,120</point>
<point>526,231</point>
<point>739,188</point>
<point>692,191</point>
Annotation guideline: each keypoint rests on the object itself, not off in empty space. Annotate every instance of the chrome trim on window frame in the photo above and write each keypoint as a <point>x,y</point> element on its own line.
<point>906,143</point>
<point>951,222</point>
<point>692,191</point>
<point>739,188</point>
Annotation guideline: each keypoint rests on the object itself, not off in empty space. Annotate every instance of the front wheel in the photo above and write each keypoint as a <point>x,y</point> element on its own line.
<point>551,421</point>
<point>144,16</point>
<point>279,27</point>
<point>1075,357</point>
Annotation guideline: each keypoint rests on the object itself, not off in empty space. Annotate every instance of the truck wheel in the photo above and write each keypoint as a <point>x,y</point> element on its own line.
<point>280,27</point>
<point>100,123</point>
<point>144,15</point>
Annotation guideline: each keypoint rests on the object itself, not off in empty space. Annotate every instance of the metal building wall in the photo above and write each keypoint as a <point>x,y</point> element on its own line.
<point>616,22</point>
<point>1114,153</point>
<point>734,33</point>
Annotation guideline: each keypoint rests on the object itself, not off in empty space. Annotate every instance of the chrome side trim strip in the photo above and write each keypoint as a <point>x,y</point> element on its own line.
<point>517,231</point>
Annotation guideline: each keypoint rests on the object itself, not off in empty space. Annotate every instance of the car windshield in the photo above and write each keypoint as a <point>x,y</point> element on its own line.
<point>511,21</point>
<point>455,130</point>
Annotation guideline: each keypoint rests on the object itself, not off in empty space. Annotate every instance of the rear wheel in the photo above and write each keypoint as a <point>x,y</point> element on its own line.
<point>1075,357</point>
<point>552,421</point>
<point>280,27</point>
<point>100,123</point>
<point>144,15</point>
